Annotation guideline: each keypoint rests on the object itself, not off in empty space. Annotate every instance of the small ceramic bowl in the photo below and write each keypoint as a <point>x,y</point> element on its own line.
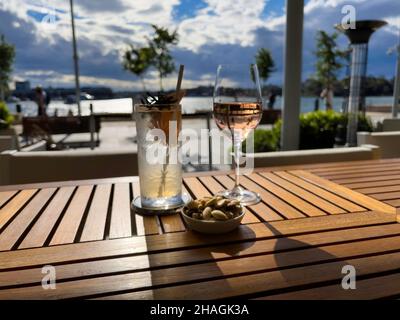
<point>213,227</point>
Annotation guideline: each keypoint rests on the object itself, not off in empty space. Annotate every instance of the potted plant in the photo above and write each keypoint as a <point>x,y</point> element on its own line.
<point>6,128</point>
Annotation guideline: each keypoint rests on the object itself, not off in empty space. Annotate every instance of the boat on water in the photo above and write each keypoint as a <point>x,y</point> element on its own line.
<point>72,98</point>
<point>13,99</point>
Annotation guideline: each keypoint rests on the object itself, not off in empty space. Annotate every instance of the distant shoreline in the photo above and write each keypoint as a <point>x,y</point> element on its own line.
<point>190,105</point>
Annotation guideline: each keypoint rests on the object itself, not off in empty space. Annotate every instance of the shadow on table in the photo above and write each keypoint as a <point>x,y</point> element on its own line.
<point>293,256</point>
<point>205,270</point>
<point>200,264</point>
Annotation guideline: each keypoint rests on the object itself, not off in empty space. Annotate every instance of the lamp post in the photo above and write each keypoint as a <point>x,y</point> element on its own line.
<point>75,57</point>
<point>396,88</point>
<point>359,37</point>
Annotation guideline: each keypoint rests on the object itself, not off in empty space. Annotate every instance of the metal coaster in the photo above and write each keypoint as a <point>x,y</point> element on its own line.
<point>136,206</point>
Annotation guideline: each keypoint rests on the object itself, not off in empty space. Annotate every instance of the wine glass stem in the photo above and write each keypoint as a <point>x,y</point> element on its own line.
<point>237,148</point>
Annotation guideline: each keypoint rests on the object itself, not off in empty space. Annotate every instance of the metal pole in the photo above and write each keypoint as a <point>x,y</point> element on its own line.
<point>209,141</point>
<point>292,75</point>
<point>396,88</point>
<point>75,57</point>
<point>92,128</point>
<point>359,37</point>
<point>358,61</point>
<point>2,95</point>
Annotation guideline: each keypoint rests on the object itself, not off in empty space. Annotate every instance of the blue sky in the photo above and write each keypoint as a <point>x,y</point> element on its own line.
<point>211,32</point>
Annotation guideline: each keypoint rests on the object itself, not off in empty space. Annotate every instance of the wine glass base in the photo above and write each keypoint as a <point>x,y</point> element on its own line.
<point>246,197</point>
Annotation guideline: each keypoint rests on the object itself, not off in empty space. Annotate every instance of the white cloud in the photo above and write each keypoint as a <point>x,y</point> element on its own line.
<point>222,22</point>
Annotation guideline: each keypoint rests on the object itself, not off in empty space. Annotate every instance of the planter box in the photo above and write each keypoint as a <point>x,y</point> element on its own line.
<point>12,133</point>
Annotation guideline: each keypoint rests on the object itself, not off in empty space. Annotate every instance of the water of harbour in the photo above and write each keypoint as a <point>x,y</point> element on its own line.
<point>189,105</point>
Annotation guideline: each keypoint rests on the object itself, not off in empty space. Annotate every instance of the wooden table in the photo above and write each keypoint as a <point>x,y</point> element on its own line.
<point>313,220</point>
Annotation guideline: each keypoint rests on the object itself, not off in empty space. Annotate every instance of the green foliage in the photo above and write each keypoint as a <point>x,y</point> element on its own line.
<point>6,119</point>
<point>160,45</point>
<point>328,63</point>
<point>317,130</point>
<point>265,140</point>
<point>156,53</point>
<point>374,86</point>
<point>137,61</point>
<point>7,55</point>
<point>378,86</point>
<point>311,87</point>
<point>265,63</point>
<point>328,58</point>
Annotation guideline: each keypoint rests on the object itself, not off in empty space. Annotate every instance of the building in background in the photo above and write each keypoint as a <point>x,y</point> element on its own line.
<point>22,87</point>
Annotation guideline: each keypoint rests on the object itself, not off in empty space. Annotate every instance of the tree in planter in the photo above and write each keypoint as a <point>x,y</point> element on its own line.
<point>265,64</point>
<point>156,53</point>
<point>160,45</point>
<point>138,61</point>
<point>7,55</point>
<point>6,118</point>
<point>328,64</point>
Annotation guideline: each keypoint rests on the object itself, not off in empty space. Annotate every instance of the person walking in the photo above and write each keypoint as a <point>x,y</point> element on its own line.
<point>271,100</point>
<point>327,96</point>
<point>41,101</point>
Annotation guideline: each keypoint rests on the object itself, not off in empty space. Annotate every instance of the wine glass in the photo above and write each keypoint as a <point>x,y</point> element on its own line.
<point>237,110</point>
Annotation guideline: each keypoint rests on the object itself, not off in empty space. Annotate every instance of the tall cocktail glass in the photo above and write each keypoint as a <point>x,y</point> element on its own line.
<point>160,171</point>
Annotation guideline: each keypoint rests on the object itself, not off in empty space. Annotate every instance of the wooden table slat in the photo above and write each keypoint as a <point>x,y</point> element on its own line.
<point>197,255</point>
<point>374,288</point>
<point>370,175</point>
<point>9,211</point>
<point>368,169</point>
<point>393,203</point>
<point>315,189</point>
<point>17,227</point>
<point>312,220</point>
<point>294,200</point>
<point>312,198</point>
<point>226,268</point>
<point>179,240</point>
<point>172,223</point>
<point>262,282</point>
<point>342,167</point>
<point>385,195</point>
<point>42,228</point>
<point>366,179</point>
<point>270,199</point>
<point>6,196</point>
<point>371,184</point>
<point>68,227</point>
<point>96,220</point>
<point>145,225</point>
<point>121,224</point>
<point>377,189</point>
<point>345,192</point>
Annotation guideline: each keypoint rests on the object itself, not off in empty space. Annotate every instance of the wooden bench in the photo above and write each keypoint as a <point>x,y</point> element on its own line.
<point>34,126</point>
<point>270,116</point>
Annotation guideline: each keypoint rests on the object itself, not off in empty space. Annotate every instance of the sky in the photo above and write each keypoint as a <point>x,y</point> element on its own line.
<point>210,32</point>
